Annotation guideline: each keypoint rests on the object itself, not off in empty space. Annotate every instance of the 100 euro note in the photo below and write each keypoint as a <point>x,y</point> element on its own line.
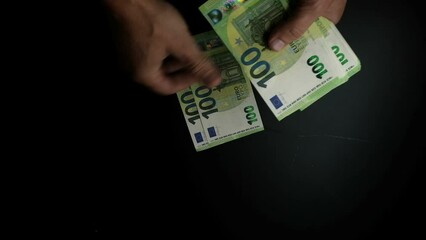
<point>342,54</point>
<point>226,112</point>
<point>289,80</point>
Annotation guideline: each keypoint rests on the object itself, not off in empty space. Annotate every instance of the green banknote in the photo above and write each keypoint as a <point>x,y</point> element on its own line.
<point>192,118</point>
<point>293,78</point>
<point>341,49</point>
<point>226,112</point>
<point>341,52</point>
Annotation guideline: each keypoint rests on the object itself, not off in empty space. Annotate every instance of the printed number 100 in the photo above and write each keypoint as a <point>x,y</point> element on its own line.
<point>207,104</point>
<point>250,115</point>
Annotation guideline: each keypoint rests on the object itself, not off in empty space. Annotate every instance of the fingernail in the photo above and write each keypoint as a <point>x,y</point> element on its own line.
<point>277,45</point>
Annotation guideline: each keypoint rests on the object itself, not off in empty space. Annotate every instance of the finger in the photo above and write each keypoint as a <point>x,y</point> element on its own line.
<point>196,62</point>
<point>176,76</point>
<point>167,84</point>
<point>291,29</point>
<point>335,11</point>
<point>204,70</point>
<point>172,65</point>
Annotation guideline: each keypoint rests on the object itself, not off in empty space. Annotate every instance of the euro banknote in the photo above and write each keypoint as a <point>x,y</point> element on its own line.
<point>226,112</point>
<point>297,76</point>
<point>342,53</point>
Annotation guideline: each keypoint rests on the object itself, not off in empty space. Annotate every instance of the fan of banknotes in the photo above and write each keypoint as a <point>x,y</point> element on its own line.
<point>287,81</point>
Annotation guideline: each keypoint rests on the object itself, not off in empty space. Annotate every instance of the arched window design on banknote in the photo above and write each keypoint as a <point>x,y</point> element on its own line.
<point>258,20</point>
<point>231,71</point>
<point>253,25</point>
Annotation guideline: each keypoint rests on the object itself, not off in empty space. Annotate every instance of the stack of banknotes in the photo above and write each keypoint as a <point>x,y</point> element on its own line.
<point>289,80</point>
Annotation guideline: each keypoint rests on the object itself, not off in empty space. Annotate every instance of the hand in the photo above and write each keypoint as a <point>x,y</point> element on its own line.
<point>163,55</point>
<point>302,14</point>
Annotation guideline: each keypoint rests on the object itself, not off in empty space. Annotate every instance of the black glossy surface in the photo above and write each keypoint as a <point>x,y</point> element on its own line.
<point>349,166</point>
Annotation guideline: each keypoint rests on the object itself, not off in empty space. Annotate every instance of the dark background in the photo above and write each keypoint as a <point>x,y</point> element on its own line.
<point>350,166</point>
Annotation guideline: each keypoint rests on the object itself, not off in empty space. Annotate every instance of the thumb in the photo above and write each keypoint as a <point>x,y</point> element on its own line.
<point>198,66</point>
<point>188,65</point>
<point>291,29</point>
<point>203,69</point>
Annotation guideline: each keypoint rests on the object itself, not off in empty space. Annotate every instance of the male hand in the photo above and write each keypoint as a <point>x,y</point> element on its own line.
<point>163,54</point>
<point>302,14</point>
